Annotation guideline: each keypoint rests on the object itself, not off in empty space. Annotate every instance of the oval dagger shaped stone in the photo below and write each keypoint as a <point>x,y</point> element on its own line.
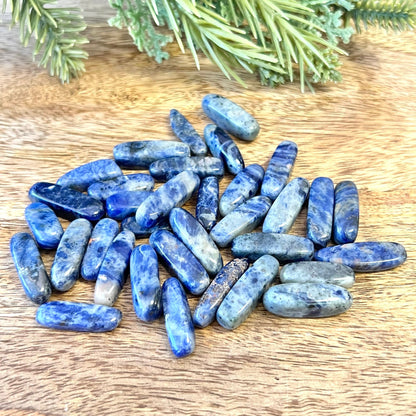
<point>307,300</point>
<point>206,210</point>
<point>369,256</point>
<point>130,224</point>
<point>243,297</point>
<point>125,203</point>
<point>30,268</point>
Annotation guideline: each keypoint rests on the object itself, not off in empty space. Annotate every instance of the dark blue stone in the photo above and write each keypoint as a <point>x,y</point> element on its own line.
<point>130,224</point>
<point>206,211</point>
<point>125,203</point>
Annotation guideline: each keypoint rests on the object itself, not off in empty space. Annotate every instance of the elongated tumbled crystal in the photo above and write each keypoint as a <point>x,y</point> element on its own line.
<point>184,131</point>
<point>140,154</point>
<point>320,211</point>
<point>83,176</point>
<point>369,256</point>
<point>230,117</point>
<point>180,261</point>
<point>30,268</point>
<point>204,313</point>
<point>102,236</point>
<point>206,210</point>
<point>130,224</point>
<point>66,202</point>
<point>243,297</point>
<point>125,203</point>
<point>44,225</point>
<point>285,247</point>
<point>145,283</point>
<point>307,300</point>
<point>286,207</point>
<point>243,187</point>
<point>75,316</point>
<point>173,193</point>
<point>243,219</point>
<point>112,274</point>
<point>178,320</point>
<point>279,168</point>
<point>346,213</point>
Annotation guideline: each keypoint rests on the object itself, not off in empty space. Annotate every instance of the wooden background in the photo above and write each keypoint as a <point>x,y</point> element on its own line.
<point>364,129</point>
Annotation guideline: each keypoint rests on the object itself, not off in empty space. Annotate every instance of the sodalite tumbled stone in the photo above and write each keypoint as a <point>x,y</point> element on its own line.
<point>307,300</point>
<point>130,224</point>
<point>30,268</point>
<point>125,203</point>
<point>206,211</point>
<point>243,297</point>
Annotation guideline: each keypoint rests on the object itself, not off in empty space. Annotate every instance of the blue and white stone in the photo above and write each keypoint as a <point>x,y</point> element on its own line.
<point>346,213</point>
<point>44,225</point>
<point>178,319</point>
<point>222,146</point>
<point>102,236</point>
<point>66,202</point>
<point>76,316</point>
<point>30,268</point>
<point>185,132</point>
<point>206,211</point>
<point>285,247</point>
<point>320,211</point>
<point>307,300</point>
<point>180,261</point>
<point>174,193</point>
<point>196,238</point>
<point>206,309</point>
<point>279,168</point>
<point>125,203</point>
<point>140,154</point>
<point>67,263</point>
<point>241,220</point>
<point>369,256</point>
<point>130,224</point>
<point>83,176</point>
<point>286,207</point>
<point>113,270</point>
<point>243,297</point>
<point>230,117</point>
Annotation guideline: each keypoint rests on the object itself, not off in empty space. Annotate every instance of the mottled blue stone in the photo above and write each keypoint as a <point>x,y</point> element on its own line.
<point>222,146</point>
<point>243,187</point>
<point>286,207</point>
<point>184,131</point>
<point>307,300</point>
<point>279,168</point>
<point>173,193</point>
<point>130,224</point>
<point>145,283</point>
<point>285,247</point>
<point>369,256</point>
<point>196,238</point>
<point>125,203</point>
<point>243,219</point>
<point>67,263</point>
<point>320,211</point>
<point>83,176</point>
<point>75,316</point>
<point>102,236</point>
<point>178,320</point>
<point>243,297</point>
<point>44,225</point>
<point>206,211</point>
<point>140,154</point>
<point>113,270</point>
<point>66,202</point>
<point>346,213</point>
<point>165,169</point>
<point>30,268</point>
<point>180,261</point>
<point>230,117</point>
<point>206,309</point>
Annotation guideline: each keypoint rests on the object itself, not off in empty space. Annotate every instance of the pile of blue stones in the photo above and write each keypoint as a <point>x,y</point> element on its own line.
<point>189,245</point>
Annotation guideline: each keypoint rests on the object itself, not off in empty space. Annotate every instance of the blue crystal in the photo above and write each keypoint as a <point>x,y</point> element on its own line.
<point>75,316</point>
<point>44,225</point>
<point>67,263</point>
<point>30,268</point>
<point>178,320</point>
<point>370,256</point>
<point>243,297</point>
<point>125,203</point>
<point>66,202</point>
<point>204,313</point>
<point>206,211</point>
<point>130,224</point>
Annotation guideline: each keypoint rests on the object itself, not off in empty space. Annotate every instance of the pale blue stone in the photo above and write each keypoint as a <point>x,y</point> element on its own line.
<point>206,210</point>
<point>125,203</point>
<point>130,224</point>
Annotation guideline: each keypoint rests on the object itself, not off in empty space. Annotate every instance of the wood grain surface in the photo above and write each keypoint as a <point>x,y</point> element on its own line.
<point>364,129</point>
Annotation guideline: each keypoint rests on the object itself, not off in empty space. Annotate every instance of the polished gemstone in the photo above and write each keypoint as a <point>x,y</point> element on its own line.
<point>130,224</point>
<point>125,203</point>
<point>206,210</point>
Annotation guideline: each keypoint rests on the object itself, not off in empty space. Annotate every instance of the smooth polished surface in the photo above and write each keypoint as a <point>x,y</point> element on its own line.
<point>206,210</point>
